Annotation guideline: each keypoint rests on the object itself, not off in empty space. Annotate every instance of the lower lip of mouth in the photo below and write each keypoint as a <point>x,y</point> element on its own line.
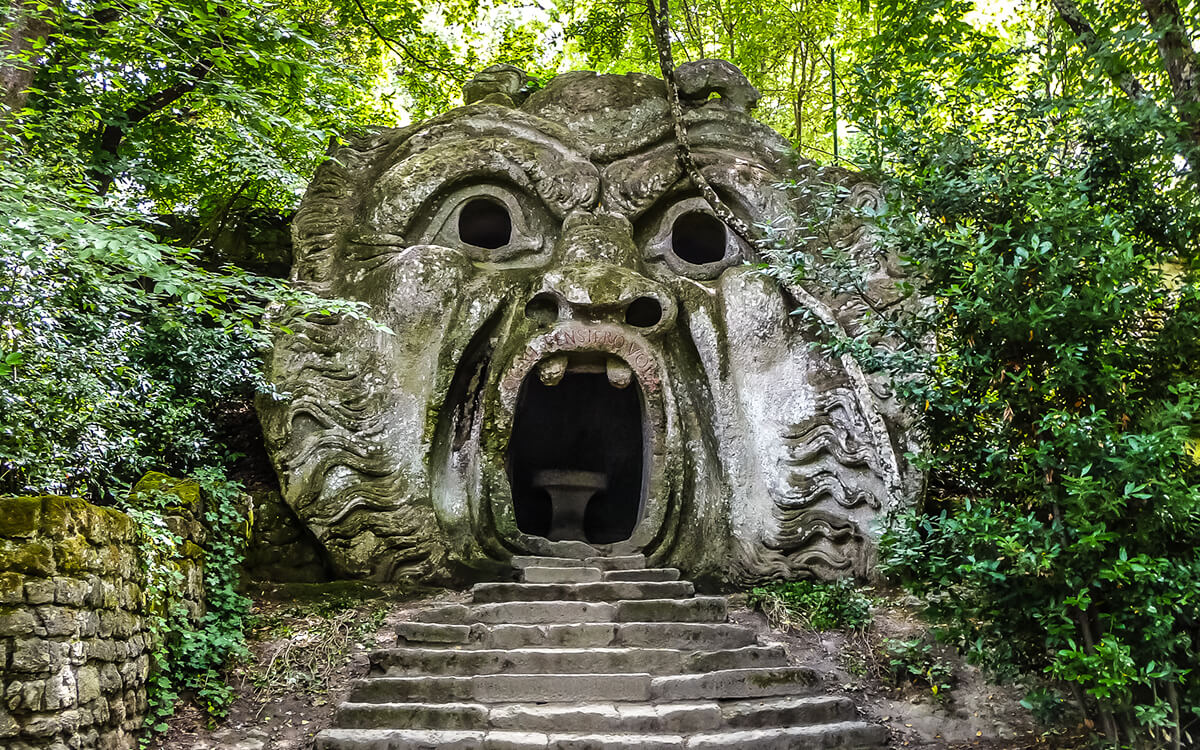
<point>577,454</point>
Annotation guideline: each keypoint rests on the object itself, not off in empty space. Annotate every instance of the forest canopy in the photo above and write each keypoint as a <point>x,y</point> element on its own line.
<point>1042,167</point>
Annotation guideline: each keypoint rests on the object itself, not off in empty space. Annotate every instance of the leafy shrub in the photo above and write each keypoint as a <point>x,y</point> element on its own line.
<point>193,656</point>
<point>119,352</point>
<point>1056,236</point>
<point>819,605</point>
<point>912,661</point>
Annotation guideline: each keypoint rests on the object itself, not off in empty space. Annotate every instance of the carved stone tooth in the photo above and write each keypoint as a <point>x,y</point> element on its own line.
<point>552,369</point>
<point>619,374</point>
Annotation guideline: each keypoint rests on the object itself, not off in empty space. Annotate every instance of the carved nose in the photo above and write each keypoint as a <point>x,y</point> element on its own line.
<point>602,293</point>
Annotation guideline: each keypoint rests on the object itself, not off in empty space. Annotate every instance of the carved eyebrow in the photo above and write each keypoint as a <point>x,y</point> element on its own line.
<point>635,185</point>
<point>559,176</point>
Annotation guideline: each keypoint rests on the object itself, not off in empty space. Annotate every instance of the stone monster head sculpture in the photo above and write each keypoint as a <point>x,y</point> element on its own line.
<point>579,359</point>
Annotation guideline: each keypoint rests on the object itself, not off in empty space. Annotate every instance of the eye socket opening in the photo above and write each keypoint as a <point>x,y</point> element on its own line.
<point>698,237</point>
<point>485,223</point>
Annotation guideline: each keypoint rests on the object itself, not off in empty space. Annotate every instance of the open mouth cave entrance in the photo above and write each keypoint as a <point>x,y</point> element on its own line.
<point>577,455</point>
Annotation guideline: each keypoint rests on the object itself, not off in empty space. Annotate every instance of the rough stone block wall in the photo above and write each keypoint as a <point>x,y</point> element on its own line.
<point>74,639</point>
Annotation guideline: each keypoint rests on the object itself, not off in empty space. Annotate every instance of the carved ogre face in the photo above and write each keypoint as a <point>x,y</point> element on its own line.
<point>579,358</point>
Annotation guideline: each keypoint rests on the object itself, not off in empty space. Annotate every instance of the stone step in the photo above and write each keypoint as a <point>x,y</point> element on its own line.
<point>736,683</point>
<point>412,716</point>
<point>520,613</point>
<point>696,609</point>
<point>408,689</point>
<point>643,574</point>
<point>539,574</point>
<point>849,735</point>
<point>433,632</point>
<point>681,635</point>
<point>620,562</point>
<point>559,688</point>
<point>686,717</point>
<point>607,718</point>
<point>449,661</point>
<point>788,711</point>
<point>563,688</point>
<point>609,591</point>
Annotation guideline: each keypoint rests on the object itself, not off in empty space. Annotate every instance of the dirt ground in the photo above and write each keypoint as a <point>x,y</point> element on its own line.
<point>307,645</point>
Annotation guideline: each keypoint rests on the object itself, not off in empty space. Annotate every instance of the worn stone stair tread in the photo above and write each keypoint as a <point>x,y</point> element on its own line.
<point>602,591</point>
<point>618,562</point>
<point>607,717</point>
<point>433,632</point>
<point>578,574</point>
<point>642,574</point>
<point>520,613</point>
<point>397,689</point>
<point>845,734</point>
<point>842,735</point>
<point>563,688</point>
<point>753,682</point>
<point>696,609</point>
<point>452,661</point>
<point>408,715</point>
<point>788,710</point>
<point>686,635</point>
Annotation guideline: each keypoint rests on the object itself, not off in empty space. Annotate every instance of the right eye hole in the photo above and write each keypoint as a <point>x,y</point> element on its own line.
<point>485,223</point>
<point>699,238</point>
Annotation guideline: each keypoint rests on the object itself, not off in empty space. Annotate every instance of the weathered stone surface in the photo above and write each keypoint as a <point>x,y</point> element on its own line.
<point>569,685</point>
<point>583,363</point>
<point>73,637</point>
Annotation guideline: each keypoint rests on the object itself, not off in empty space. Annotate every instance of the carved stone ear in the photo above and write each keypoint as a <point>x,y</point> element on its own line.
<point>501,84</point>
<point>700,79</point>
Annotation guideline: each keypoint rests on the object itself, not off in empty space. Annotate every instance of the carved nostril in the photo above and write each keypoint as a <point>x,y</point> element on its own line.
<point>643,312</point>
<point>543,308</point>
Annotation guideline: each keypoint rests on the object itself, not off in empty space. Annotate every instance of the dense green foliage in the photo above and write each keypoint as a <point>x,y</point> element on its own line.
<point>189,654</point>
<point>1053,225</point>
<point>819,605</point>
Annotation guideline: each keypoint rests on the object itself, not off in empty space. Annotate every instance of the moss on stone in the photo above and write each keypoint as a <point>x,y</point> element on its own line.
<point>20,517</point>
<point>186,490</point>
<point>30,558</point>
<point>75,555</point>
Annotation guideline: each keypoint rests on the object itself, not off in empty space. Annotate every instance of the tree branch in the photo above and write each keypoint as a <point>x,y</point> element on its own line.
<point>114,133</point>
<point>1178,58</point>
<point>660,23</point>
<point>1085,35</point>
<point>402,49</point>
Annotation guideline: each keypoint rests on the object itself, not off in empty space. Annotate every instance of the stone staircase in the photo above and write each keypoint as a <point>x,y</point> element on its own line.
<point>594,654</point>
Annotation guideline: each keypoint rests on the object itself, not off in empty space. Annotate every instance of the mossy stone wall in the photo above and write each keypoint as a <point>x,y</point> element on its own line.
<point>74,637</point>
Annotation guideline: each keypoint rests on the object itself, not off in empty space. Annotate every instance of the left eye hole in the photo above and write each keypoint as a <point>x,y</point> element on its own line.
<point>488,223</point>
<point>484,222</point>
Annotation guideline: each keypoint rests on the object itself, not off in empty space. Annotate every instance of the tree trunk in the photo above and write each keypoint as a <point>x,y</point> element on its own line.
<point>1179,59</point>
<point>25,29</point>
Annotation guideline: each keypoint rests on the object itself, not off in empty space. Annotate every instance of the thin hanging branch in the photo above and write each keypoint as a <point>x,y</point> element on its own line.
<point>403,50</point>
<point>660,23</point>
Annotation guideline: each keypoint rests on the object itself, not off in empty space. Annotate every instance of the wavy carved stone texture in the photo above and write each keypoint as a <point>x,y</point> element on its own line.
<point>575,356</point>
